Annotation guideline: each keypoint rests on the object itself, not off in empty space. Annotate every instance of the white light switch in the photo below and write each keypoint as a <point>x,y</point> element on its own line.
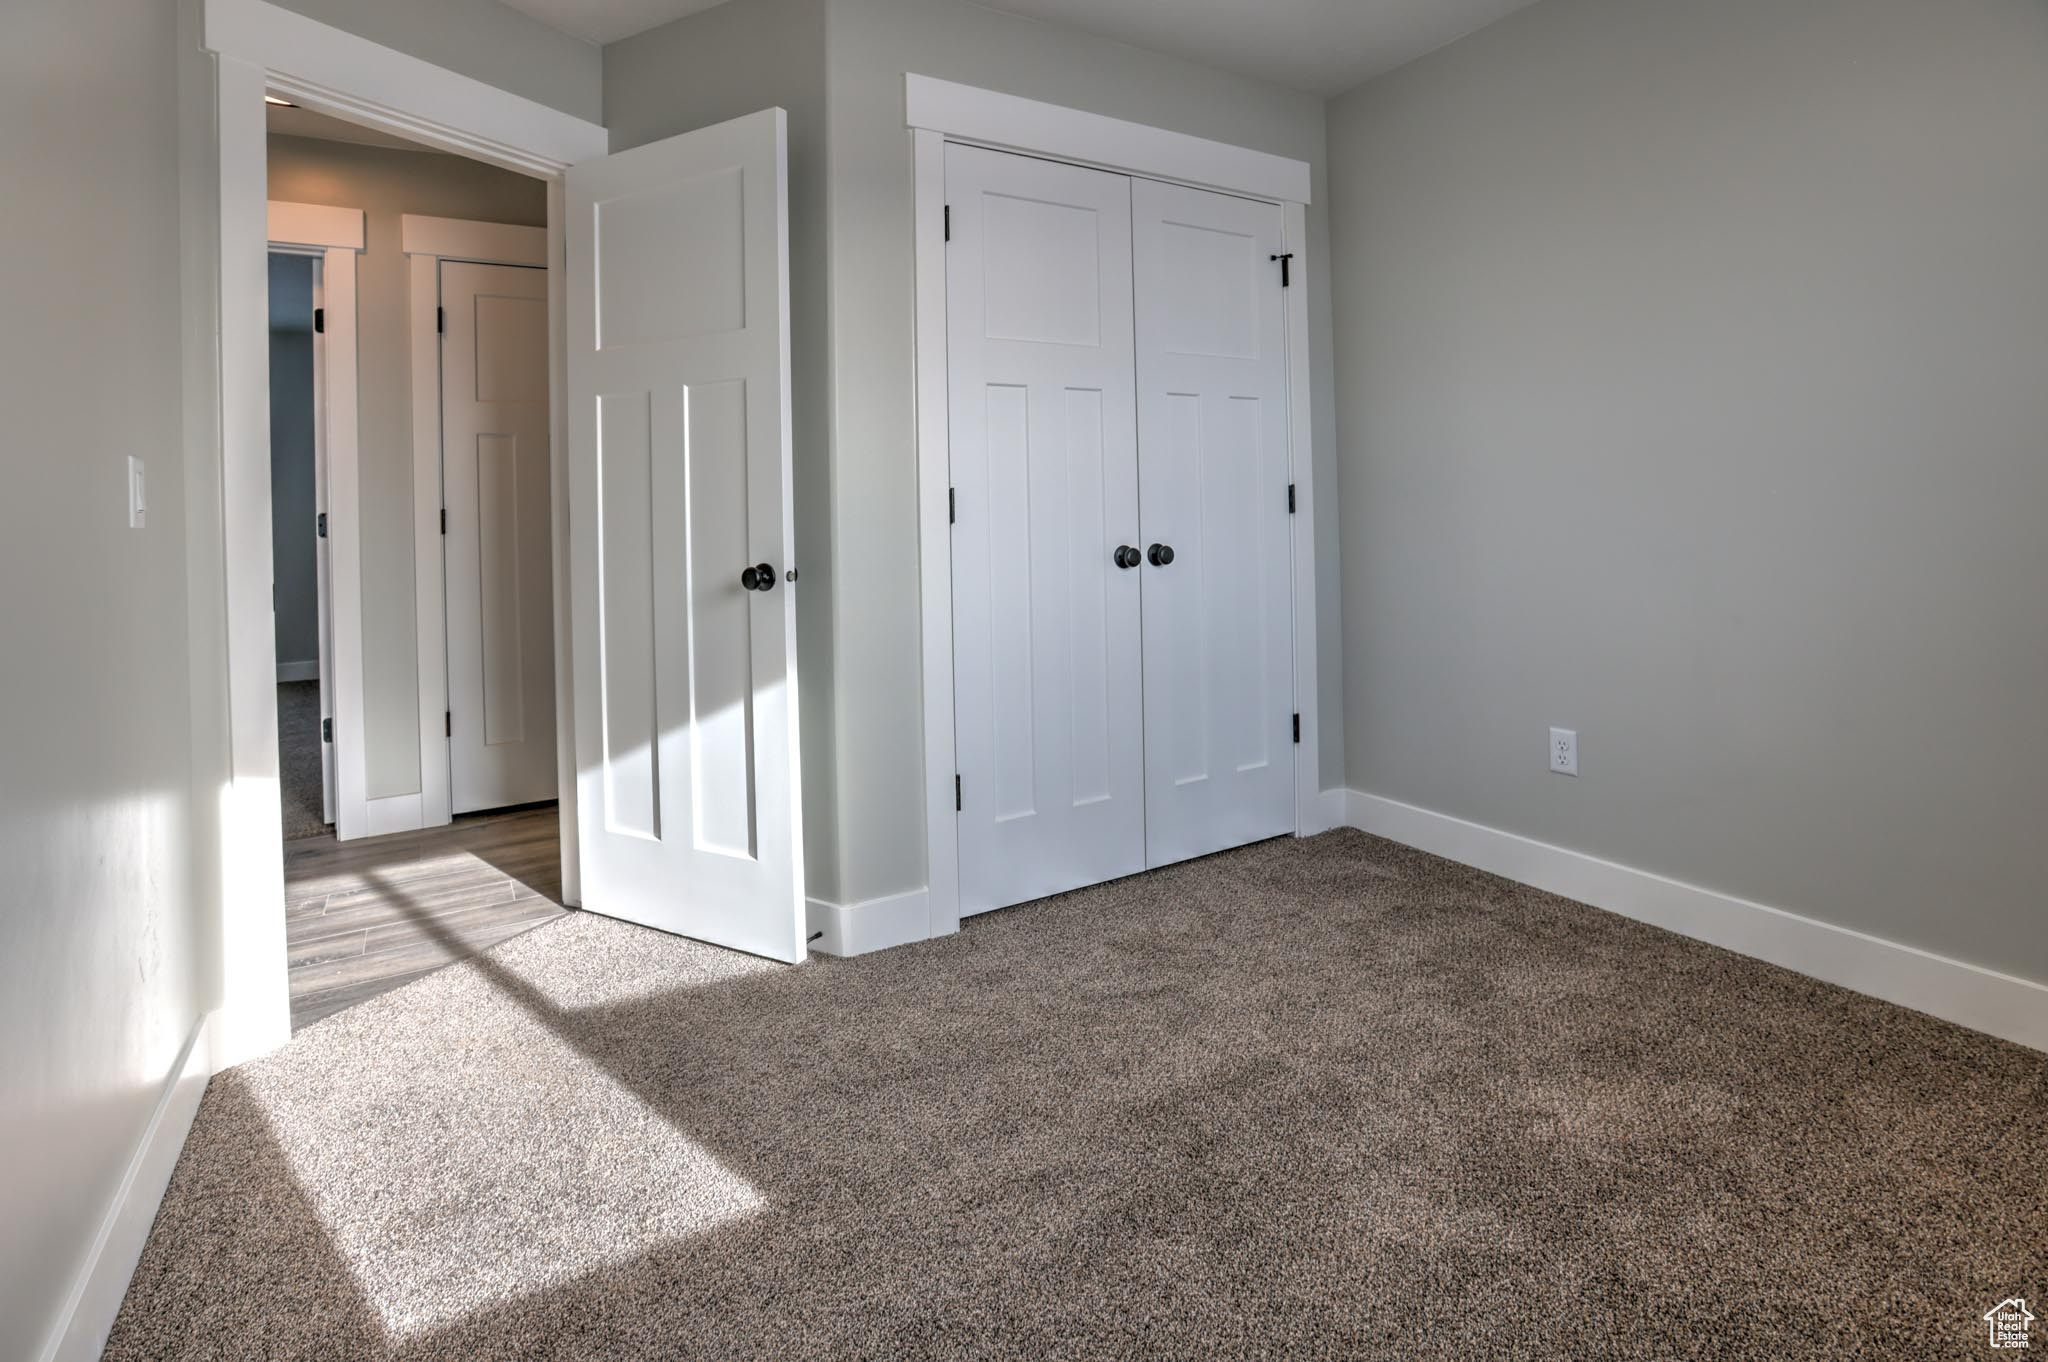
<point>138,503</point>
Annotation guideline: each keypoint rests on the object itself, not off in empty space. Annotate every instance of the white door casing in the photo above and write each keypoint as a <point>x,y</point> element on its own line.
<point>688,779</point>
<point>497,541</point>
<point>1044,453</point>
<point>1213,479</point>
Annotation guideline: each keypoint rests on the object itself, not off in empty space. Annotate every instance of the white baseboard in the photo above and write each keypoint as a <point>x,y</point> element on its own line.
<point>81,1328</point>
<point>1329,809</point>
<point>1985,1000</point>
<point>298,671</point>
<point>878,924</point>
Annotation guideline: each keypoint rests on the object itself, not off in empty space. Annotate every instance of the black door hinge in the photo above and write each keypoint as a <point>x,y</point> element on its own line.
<point>327,730</point>
<point>952,506</point>
<point>323,525</point>
<point>320,319</point>
<point>1290,498</point>
<point>949,222</point>
<point>1284,259</point>
<point>956,792</point>
<point>444,520</point>
<point>448,722</point>
<point>441,321</point>
<point>1297,728</point>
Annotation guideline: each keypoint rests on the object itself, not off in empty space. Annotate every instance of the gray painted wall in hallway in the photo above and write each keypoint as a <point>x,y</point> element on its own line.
<point>1693,367</point>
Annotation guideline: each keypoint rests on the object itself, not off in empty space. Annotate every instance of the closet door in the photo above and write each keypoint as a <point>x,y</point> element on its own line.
<point>1044,450</point>
<point>1213,473</point>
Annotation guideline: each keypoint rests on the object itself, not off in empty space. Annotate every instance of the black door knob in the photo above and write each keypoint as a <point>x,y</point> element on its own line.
<point>1126,556</point>
<point>1160,554</point>
<point>760,577</point>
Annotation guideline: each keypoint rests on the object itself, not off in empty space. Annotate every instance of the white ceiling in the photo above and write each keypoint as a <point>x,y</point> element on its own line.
<point>1324,46</point>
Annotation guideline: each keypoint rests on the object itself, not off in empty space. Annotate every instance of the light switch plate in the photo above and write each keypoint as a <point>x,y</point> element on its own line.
<point>138,502</point>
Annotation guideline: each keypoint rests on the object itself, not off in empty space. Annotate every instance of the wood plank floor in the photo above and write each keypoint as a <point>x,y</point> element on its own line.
<point>364,917</point>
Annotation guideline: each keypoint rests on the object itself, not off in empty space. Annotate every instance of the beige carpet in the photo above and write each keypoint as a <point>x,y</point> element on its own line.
<point>1325,1099</point>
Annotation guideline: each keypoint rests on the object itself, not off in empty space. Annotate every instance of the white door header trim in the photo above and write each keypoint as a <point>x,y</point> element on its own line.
<point>337,72</point>
<point>314,227</point>
<point>1012,123</point>
<point>484,243</point>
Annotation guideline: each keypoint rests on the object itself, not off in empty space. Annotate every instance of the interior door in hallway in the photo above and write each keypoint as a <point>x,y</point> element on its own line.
<point>1213,466</point>
<point>682,534</point>
<point>495,469</point>
<point>1044,455</point>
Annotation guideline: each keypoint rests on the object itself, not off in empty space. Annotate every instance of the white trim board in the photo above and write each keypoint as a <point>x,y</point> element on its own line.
<point>336,72</point>
<point>87,1315</point>
<point>1969,995</point>
<point>487,243</point>
<point>316,226</point>
<point>1010,122</point>
<point>860,928</point>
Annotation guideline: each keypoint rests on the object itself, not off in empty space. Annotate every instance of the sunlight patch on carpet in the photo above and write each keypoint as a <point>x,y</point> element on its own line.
<point>486,1158</point>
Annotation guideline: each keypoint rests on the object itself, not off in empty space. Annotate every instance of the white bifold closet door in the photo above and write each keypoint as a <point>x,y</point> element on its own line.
<point>1213,479</point>
<point>495,471</point>
<point>1122,590</point>
<point>1048,716</point>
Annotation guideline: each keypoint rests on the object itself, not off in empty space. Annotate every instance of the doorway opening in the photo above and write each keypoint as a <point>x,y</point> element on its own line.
<point>412,555</point>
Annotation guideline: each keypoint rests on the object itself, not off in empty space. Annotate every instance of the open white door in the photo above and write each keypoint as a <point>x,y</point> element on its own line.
<point>681,531</point>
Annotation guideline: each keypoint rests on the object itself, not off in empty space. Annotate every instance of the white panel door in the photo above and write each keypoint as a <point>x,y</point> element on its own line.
<point>495,467</point>
<point>1043,433</point>
<point>1213,468</point>
<point>680,535</point>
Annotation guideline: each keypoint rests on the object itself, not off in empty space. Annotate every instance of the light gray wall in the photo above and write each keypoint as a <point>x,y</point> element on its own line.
<point>874,475</point>
<point>105,917</point>
<point>736,59</point>
<point>294,544</point>
<point>481,39</point>
<point>387,184</point>
<point>1693,366</point>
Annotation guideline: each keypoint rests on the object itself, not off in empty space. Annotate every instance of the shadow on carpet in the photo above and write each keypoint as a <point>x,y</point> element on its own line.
<point>1327,1098</point>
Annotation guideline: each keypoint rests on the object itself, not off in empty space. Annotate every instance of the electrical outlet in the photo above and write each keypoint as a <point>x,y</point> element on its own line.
<point>1564,751</point>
